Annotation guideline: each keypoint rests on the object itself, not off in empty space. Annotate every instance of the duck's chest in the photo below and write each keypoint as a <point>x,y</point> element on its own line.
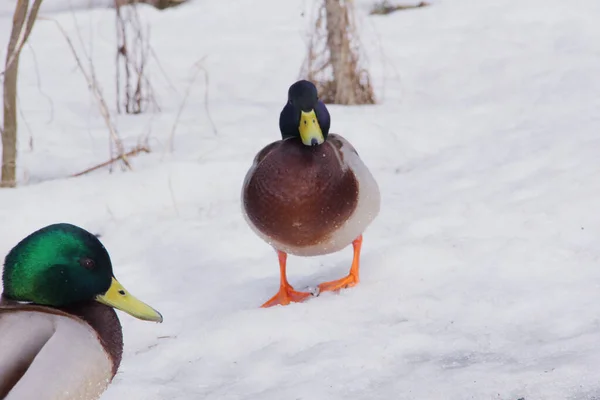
<point>300,195</point>
<point>47,356</point>
<point>295,169</point>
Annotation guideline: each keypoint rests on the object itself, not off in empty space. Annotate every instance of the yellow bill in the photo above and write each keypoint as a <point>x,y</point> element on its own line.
<point>310,130</point>
<point>119,298</point>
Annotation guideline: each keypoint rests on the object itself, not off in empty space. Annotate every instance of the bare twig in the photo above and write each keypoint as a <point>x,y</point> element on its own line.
<point>78,32</point>
<point>173,197</point>
<point>134,90</point>
<point>199,68</point>
<point>39,83</point>
<point>162,70</point>
<point>206,107</point>
<point>180,110</point>
<point>95,89</point>
<point>120,50</point>
<point>26,124</point>
<point>134,152</point>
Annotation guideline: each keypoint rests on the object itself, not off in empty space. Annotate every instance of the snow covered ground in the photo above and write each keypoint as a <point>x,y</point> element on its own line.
<point>481,276</point>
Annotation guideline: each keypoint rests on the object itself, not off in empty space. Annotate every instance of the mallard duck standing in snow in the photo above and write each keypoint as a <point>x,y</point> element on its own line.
<point>60,336</point>
<point>309,193</point>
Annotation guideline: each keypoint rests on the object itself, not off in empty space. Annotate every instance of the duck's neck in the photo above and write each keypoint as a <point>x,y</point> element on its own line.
<point>104,321</point>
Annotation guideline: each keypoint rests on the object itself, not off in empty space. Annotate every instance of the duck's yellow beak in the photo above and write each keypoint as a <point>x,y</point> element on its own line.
<point>119,298</point>
<point>310,130</point>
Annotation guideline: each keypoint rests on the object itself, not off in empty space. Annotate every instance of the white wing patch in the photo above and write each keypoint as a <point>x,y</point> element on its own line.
<point>62,356</point>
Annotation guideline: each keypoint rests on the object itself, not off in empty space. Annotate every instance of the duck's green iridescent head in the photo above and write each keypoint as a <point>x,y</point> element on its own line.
<point>63,264</point>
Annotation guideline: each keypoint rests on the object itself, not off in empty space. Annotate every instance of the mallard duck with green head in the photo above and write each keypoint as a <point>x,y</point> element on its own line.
<point>60,337</point>
<point>309,193</point>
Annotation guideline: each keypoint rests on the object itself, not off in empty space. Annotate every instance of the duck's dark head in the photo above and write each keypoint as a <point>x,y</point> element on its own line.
<point>304,115</point>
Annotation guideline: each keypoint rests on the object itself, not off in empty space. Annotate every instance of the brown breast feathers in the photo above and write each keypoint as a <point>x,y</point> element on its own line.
<point>299,195</point>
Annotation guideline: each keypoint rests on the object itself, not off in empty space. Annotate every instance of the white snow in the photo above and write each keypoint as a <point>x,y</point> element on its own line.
<point>481,276</point>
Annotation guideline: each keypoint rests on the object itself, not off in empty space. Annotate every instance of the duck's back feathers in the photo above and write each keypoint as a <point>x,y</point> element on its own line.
<point>309,200</point>
<point>49,354</point>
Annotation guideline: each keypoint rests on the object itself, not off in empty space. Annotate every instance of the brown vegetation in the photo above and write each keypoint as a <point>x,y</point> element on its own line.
<point>332,63</point>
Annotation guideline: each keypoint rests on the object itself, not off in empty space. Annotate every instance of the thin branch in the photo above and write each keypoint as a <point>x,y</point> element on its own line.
<point>199,68</point>
<point>93,85</point>
<point>160,67</point>
<point>120,50</point>
<point>206,107</point>
<point>39,82</point>
<point>78,31</point>
<point>134,152</point>
<point>173,197</point>
<point>26,123</point>
<point>180,110</point>
<point>133,49</point>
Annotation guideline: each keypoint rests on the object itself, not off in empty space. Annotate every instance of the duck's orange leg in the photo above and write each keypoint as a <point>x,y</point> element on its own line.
<point>352,278</point>
<point>286,294</point>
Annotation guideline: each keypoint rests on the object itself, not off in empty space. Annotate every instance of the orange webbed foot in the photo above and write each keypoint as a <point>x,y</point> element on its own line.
<point>285,296</point>
<point>352,278</point>
<point>332,286</point>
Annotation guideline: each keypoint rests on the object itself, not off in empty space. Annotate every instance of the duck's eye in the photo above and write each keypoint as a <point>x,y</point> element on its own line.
<point>87,263</point>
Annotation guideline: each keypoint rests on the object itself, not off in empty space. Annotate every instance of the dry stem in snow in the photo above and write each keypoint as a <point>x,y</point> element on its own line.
<point>133,49</point>
<point>94,87</point>
<point>198,68</point>
<point>134,152</point>
<point>21,29</point>
<point>333,62</point>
